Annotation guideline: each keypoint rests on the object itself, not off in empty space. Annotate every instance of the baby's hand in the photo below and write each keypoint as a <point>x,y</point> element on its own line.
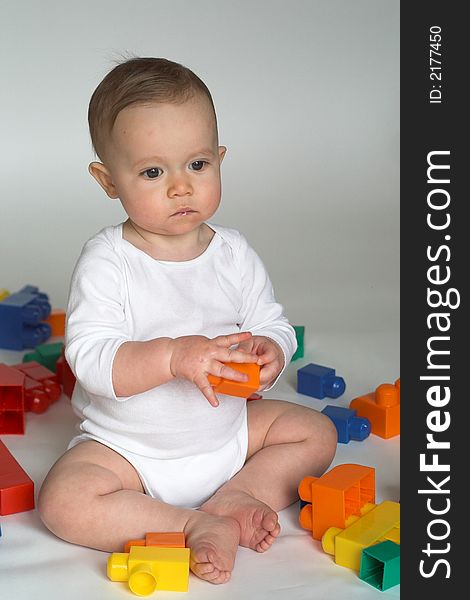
<point>270,358</point>
<point>195,356</point>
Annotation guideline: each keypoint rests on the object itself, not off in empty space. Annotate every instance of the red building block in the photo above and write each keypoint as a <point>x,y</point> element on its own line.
<point>41,386</point>
<point>382,408</point>
<point>11,400</point>
<point>65,375</point>
<point>16,488</point>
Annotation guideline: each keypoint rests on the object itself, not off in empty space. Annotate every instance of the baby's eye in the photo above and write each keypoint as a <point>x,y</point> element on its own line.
<point>152,173</point>
<point>198,164</point>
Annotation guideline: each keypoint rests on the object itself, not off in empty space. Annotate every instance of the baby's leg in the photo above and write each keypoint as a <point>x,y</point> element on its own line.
<point>93,496</point>
<point>286,442</point>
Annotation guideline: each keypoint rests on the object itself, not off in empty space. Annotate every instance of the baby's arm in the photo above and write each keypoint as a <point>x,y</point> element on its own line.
<point>99,345</point>
<point>140,366</point>
<point>273,339</point>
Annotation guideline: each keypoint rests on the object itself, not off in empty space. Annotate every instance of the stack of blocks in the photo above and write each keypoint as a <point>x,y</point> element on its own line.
<point>159,562</point>
<point>339,509</point>
<point>22,317</point>
<point>32,386</point>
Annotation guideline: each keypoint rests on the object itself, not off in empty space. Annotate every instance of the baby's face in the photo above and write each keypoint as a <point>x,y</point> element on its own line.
<point>165,165</point>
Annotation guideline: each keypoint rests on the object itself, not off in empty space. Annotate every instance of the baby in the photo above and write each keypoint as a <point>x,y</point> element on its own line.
<point>157,304</point>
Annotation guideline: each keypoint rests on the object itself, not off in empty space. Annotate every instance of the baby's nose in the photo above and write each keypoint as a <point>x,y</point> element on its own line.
<point>179,185</point>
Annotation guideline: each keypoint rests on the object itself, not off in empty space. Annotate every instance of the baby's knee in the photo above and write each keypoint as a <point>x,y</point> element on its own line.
<point>329,433</point>
<point>323,441</point>
<point>55,503</point>
<point>64,499</point>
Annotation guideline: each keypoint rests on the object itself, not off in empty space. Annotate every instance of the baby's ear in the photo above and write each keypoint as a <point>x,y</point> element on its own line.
<point>222,151</point>
<point>103,177</point>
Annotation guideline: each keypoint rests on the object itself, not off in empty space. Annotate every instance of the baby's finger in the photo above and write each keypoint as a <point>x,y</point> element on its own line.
<point>208,391</point>
<point>232,339</point>
<point>266,375</point>
<point>229,373</point>
<point>266,358</point>
<point>239,356</point>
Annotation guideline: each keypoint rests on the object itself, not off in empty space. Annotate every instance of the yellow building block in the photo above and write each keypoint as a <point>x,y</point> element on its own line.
<point>4,294</point>
<point>151,568</point>
<point>380,523</point>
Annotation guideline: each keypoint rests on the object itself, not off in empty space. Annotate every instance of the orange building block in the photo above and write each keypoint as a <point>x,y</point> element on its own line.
<point>237,388</point>
<point>57,321</point>
<point>335,496</point>
<point>171,539</point>
<point>382,408</point>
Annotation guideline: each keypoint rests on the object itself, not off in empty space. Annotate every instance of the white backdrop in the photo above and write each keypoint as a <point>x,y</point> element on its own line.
<point>307,97</point>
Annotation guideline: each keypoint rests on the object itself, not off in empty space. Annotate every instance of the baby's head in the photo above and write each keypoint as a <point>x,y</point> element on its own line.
<point>141,81</point>
<point>153,126</point>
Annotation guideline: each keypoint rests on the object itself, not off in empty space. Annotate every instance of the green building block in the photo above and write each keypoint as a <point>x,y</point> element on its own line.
<point>299,334</point>
<point>46,355</point>
<point>380,565</point>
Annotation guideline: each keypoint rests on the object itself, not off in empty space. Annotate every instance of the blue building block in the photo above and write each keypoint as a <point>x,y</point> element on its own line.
<point>21,316</point>
<point>348,425</point>
<point>318,382</point>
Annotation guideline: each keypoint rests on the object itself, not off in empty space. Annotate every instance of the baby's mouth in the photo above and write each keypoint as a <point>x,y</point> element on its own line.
<point>183,212</point>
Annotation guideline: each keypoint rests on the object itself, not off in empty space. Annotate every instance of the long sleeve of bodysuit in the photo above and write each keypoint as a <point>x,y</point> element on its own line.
<point>96,324</point>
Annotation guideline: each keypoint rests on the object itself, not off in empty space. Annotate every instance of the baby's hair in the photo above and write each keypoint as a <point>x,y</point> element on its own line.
<point>139,81</point>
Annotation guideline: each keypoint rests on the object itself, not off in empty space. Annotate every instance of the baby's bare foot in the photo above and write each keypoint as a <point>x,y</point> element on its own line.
<point>213,541</point>
<point>258,522</point>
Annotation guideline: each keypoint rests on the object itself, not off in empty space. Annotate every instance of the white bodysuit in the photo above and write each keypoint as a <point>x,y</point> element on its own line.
<point>183,448</point>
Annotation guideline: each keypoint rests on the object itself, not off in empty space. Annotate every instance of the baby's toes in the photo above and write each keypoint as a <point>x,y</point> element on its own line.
<point>270,522</point>
<point>222,577</point>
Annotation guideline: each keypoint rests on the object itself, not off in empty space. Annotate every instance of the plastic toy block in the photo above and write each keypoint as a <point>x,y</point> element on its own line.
<point>380,565</point>
<point>41,386</point>
<point>16,488</point>
<point>57,321</point>
<point>299,335</point>
<point>335,497</point>
<point>318,382</point>
<point>348,425</point>
<point>237,388</point>
<point>65,375</point>
<point>46,355</point>
<point>11,400</point>
<point>3,293</point>
<point>379,523</point>
<point>382,408</point>
<point>21,316</point>
<point>171,539</point>
<point>150,568</point>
